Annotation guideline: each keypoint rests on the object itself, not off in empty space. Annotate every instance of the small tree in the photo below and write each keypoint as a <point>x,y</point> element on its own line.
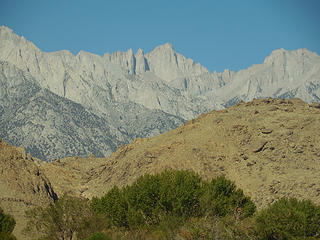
<point>180,192</point>
<point>113,206</point>
<point>143,200</point>
<point>7,224</point>
<point>152,197</point>
<point>65,219</point>
<point>221,198</point>
<point>289,219</point>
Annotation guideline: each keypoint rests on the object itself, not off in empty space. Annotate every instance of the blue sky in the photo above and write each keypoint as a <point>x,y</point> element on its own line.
<point>220,34</point>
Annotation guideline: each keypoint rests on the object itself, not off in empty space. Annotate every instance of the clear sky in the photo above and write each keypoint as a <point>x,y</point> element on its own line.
<point>219,34</point>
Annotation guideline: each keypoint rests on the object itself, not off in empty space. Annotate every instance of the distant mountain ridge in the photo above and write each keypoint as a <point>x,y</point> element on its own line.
<point>50,126</point>
<point>135,95</point>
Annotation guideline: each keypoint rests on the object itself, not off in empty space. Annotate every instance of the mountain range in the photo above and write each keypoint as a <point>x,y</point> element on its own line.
<point>58,104</point>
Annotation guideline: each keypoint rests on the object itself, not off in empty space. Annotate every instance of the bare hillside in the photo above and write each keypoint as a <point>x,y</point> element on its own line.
<point>22,184</point>
<point>269,147</point>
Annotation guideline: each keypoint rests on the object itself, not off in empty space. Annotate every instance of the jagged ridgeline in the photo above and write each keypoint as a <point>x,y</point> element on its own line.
<point>58,105</point>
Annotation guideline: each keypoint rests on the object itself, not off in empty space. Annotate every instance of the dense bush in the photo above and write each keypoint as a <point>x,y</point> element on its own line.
<point>289,219</point>
<point>112,205</point>
<point>153,198</point>
<point>180,192</point>
<point>170,192</point>
<point>143,200</point>
<point>7,224</point>
<point>221,198</point>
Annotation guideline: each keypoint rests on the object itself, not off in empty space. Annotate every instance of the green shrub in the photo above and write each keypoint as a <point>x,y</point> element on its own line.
<point>221,198</point>
<point>175,194</point>
<point>143,200</point>
<point>7,224</point>
<point>180,192</point>
<point>99,236</point>
<point>170,192</point>
<point>289,219</point>
<point>114,206</point>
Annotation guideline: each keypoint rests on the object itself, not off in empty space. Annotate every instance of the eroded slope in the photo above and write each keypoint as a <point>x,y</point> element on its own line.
<point>22,184</point>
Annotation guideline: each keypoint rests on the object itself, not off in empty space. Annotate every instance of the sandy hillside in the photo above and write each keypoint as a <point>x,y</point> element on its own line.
<point>22,184</point>
<point>269,147</point>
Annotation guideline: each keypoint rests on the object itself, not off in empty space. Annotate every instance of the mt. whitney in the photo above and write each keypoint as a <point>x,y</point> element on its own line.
<point>57,104</point>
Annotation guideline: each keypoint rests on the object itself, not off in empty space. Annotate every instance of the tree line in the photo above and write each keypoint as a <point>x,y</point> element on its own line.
<point>172,204</point>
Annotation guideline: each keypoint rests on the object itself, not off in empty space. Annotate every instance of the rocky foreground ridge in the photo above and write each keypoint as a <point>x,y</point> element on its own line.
<point>58,104</point>
<point>269,147</point>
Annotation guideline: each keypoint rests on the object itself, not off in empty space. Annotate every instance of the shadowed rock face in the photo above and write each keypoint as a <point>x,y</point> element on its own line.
<point>126,95</point>
<point>269,147</point>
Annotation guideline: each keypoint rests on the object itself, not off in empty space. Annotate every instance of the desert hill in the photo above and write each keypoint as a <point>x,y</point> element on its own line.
<point>269,147</point>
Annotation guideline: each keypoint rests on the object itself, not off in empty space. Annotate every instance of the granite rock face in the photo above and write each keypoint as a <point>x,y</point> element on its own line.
<point>51,126</point>
<point>284,74</point>
<point>135,94</point>
<point>48,125</point>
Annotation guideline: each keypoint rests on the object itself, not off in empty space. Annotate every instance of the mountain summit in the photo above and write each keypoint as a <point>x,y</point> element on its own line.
<point>127,95</point>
